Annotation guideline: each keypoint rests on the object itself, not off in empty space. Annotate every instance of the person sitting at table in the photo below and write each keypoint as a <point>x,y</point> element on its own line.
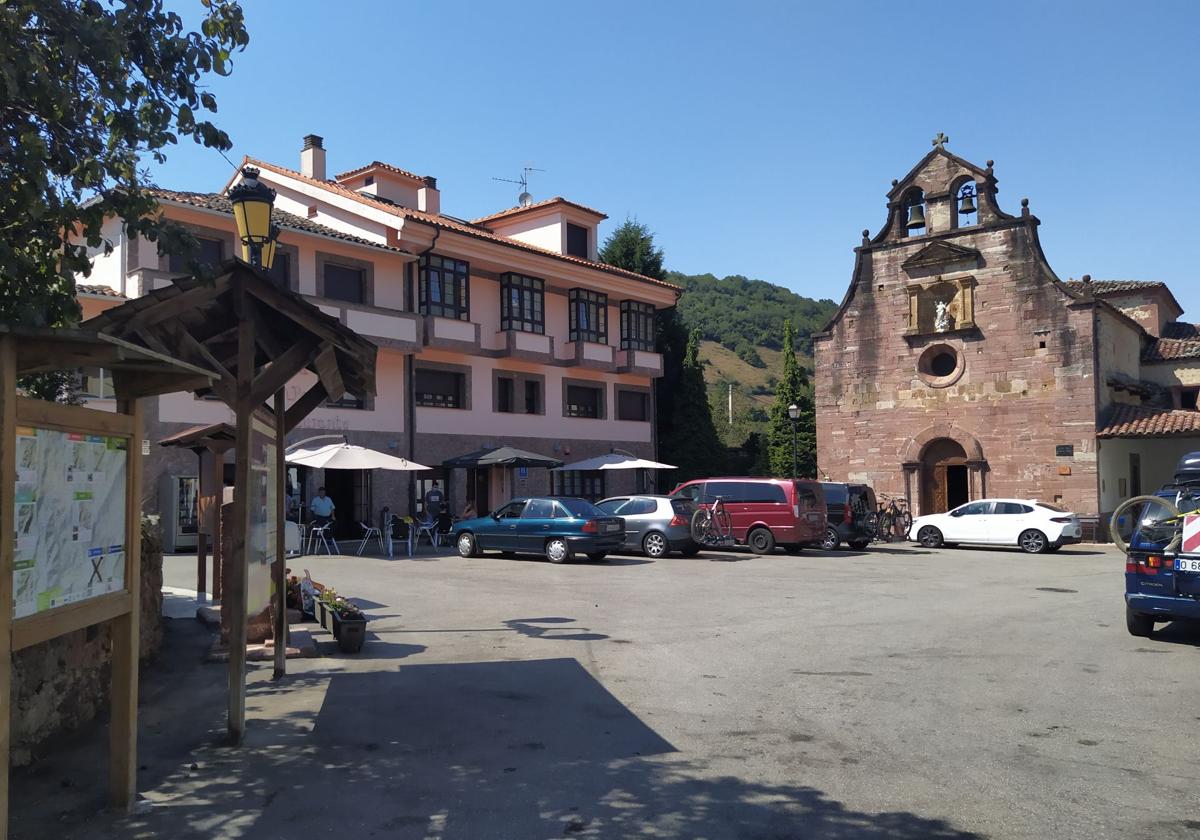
<point>444,523</point>
<point>469,511</point>
<point>322,508</point>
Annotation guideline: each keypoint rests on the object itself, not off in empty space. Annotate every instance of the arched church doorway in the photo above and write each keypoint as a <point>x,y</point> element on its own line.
<point>944,480</point>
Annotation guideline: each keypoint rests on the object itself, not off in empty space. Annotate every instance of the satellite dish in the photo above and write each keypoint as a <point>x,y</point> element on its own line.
<point>524,199</point>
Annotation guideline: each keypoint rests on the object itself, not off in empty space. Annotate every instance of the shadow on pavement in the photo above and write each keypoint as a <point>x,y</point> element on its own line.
<point>1178,633</point>
<point>488,749</point>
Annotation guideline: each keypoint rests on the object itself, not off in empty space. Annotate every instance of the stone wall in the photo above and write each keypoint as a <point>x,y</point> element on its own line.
<point>62,684</point>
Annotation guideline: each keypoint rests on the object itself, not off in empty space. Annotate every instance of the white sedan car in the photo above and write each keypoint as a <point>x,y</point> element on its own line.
<point>1033,526</point>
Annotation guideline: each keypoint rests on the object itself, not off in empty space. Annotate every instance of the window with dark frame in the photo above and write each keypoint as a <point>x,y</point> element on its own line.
<point>633,405</point>
<point>589,316</point>
<point>583,484</point>
<point>533,396</point>
<point>522,303</point>
<point>439,388</point>
<point>211,253</point>
<point>637,325</point>
<point>445,288</point>
<point>577,241</point>
<point>584,401</point>
<point>342,282</point>
<point>504,394</point>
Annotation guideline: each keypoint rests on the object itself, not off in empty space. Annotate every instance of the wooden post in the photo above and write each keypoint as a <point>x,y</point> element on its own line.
<point>201,564</point>
<point>280,567</point>
<point>8,485</point>
<point>235,597</point>
<point>216,466</point>
<point>126,634</point>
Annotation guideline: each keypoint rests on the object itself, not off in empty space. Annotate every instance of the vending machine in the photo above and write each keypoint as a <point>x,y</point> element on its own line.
<point>179,503</point>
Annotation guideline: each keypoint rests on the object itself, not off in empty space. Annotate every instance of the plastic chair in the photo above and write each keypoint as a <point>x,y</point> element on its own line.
<point>370,531</point>
<point>407,539</point>
<point>427,528</point>
<point>320,535</point>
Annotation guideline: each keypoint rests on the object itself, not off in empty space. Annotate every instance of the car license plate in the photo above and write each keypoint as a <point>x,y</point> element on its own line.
<point>1187,564</point>
<point>609,527</point>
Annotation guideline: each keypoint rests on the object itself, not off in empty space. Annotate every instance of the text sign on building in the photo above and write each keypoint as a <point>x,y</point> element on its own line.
<point>70,518</point>
<point>1067,449</point>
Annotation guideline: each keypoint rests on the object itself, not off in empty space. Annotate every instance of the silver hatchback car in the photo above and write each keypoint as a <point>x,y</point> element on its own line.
<point>654,525</point>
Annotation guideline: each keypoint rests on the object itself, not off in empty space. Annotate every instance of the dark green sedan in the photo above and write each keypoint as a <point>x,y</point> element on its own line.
<point>554,526</point>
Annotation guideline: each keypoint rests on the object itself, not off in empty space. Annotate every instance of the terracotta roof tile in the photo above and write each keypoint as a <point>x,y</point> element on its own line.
<point>97,291</point>
<point>1168,349</point>
<point>1114,287</point>
<point>447,223</point>
<point>515,211</point>
<point>378,164</point>
<point>220,203</point>
<point>1143,421</point>
<point>1178,329</point>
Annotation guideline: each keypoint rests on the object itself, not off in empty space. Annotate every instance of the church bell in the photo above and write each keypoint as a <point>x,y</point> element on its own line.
<point>967,206</point>
<point>916,216</point>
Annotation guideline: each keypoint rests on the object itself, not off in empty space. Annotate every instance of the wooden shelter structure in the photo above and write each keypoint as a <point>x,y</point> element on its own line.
<point>210,443</point>
<point>70,516</point>
<point>258,336</point>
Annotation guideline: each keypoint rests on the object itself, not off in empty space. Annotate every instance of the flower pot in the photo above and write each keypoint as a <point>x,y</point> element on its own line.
<point>324,612</point>
<point>349,632</point>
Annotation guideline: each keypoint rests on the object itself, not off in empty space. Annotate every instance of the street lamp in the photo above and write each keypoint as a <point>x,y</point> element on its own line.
<point>794,414</point>
<point>252,201</point>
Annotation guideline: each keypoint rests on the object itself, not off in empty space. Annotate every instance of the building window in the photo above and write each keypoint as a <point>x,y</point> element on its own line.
<point>584,401</point>
<point>281,269</point>
<point>347,401</point>
<point>533,396</point>
<point>637,325</point>
<point>210,254</point>
<point>440,388</point>
<point>586,485</point>
<point>344,283</point>
<point>577,241</point>
<point>633,405</point>
<point>589,316</point>
<point>504,395</point>
<point>96,384</point>
<point>444,288</point>
<point>521,303</point>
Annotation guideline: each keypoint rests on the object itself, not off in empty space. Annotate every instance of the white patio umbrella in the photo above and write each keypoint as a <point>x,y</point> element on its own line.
<point>614,461</point>
<point>347,456</point>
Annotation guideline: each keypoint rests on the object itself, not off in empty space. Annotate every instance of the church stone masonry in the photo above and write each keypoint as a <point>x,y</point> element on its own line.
<point>958,365</point>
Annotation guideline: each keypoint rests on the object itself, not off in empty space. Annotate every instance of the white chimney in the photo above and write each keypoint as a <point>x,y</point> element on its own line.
<point>312,157</point>
<point>429,198</point>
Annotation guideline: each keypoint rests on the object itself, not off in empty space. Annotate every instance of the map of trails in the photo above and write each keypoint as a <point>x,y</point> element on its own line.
<point>70,518</point>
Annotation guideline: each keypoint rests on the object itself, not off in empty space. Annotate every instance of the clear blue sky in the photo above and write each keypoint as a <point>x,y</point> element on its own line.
<point>753,138</point>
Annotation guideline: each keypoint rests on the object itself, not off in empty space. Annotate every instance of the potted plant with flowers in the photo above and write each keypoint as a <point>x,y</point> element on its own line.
<point>349,624</point>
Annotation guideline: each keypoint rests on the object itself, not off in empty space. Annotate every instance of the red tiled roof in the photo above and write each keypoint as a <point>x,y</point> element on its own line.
<point>1114,287</point>
<point>1142,421</point>
<point>378,164</point>
<point>1169,349</point>
<point>1178,329</point>
<point>537,205</point>
<point>447,223</point>
<point>97,291</point>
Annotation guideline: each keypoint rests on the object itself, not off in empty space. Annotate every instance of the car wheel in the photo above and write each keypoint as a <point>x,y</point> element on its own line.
<point>831,541</point>
<point>655,545</point>
<point>597,556</point>
<point>929,536</point>
<point>466,545</point>
<point>1138,624</point>
<point>761,541</point>
<point>858,545</point>
<point>691,551</point>
<point>1033,542</point>
<point>557,550</point>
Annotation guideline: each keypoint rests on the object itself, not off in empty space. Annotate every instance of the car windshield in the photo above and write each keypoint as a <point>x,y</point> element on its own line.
<point>684,507</point>
<point>581,508</point>
<point>610,506</point>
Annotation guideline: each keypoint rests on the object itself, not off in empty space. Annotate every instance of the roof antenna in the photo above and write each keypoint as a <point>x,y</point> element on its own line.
<point>524,199</point>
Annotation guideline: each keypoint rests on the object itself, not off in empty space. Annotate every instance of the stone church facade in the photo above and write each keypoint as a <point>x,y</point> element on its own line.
<point>959,366</point>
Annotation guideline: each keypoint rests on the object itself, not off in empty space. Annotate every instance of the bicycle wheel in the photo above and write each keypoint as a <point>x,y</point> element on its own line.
<point>871,523</point>
<point>723,525</point>
<point>886,523</point>
<point>904,521</point>
<point>702,523</point>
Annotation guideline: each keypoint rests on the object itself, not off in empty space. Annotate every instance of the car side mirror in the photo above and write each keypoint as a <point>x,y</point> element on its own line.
<point>956,513</point>
<point>495,515</point>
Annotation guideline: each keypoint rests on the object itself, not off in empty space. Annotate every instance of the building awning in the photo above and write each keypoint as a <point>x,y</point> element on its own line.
<point>504,456</point>
<point>1139,421</point>
<point>614,461</point>
<point>217,435</point>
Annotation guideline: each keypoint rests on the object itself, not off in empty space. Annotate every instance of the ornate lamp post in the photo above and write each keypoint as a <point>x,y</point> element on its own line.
<point>252,201</point>
<point>794,415</point>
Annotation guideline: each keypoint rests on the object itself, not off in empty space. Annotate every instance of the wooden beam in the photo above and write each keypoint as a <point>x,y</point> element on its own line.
<point>164,309</point>
<point>299,312</point>
<point>126,635</point>
<point>71,418</point>
<point>187,345</point>
<point>42,626</point>
<point>235,596</point>
<point>328,372</point>
<point>8,485</point>
<point>280,372</point>
<point>131,385</point>
<point>280,561</point>
<point>313,398</point>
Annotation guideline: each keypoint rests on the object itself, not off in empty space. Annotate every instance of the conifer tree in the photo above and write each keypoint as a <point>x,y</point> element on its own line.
<point>793,389</point>
<point>692,443</point>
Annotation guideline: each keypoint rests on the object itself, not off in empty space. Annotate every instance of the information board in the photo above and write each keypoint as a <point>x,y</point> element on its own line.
<point>264,488</point>
<point>70,518</point>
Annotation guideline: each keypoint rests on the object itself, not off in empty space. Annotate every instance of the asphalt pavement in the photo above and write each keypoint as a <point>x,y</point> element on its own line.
<point>893,693</point>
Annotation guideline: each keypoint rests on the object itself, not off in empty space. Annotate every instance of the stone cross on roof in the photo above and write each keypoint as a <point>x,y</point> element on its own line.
<point>941,140</point>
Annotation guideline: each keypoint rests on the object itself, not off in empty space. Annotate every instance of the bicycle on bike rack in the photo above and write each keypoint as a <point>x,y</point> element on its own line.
<point>711,525</point>
<point>892,519</point>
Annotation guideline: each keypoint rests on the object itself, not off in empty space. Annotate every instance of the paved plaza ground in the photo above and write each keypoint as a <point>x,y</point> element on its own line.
<point>897,693</point>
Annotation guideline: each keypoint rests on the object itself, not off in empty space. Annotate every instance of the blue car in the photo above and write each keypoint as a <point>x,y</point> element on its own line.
<point>554,526</point>
<point>1163,585</point>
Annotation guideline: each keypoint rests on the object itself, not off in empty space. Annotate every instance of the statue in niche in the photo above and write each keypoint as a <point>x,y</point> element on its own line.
<point>941,318</point>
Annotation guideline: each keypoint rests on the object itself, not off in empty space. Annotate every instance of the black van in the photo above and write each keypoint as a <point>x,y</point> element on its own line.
<point>850,511</point>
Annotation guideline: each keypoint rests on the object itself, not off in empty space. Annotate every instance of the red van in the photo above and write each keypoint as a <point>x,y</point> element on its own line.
<point>766,511</point>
